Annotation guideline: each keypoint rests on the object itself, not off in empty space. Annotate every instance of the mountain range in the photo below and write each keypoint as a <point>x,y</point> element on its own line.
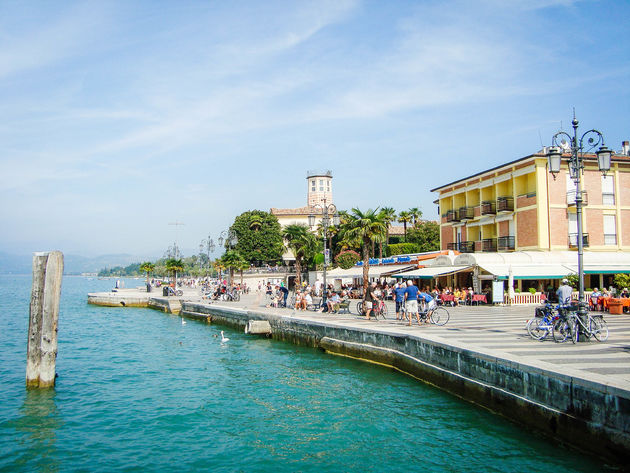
<point>73,264</point>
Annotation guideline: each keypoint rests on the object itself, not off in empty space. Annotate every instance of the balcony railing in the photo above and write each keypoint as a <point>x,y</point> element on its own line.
<point>571,197</point>
<point>462,246</point>
<point>466,213</point>
<point>505,243</point>
<point>489,245</point>
<point>573,240</point>
<point>452,216</point>
<point>488,208</point>
<point>505,204</point>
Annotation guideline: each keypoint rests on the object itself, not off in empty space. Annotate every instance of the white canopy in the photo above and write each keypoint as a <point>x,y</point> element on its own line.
<point>374,271</point>
<point>431,272</point>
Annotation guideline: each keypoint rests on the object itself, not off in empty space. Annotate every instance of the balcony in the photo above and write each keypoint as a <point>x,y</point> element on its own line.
<point>573,240</point>
<point>505,243</point>
<point>488,208</point>
<point>505,204</point>
<point>571,197</point>
<point>489,245</point>
<point>462,246</point>
<point>466,213</point>
<point>452,216</point>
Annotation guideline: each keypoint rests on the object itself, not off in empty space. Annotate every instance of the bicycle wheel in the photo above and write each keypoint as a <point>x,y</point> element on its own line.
<point>360,307</point>
<point>440,316</point>
<point>574,327</point>
<point>535,328</point>
<point>561,331</point>
<point>599,328</point>
<point>383,311</point>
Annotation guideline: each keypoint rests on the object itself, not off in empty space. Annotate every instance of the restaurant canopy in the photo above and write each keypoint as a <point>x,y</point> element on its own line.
<point>374,271</point>
<point>431,272</point>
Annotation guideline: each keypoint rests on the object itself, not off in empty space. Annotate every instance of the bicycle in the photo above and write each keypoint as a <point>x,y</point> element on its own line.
<point>438,315</point>
<point>542,325</point>
<point>379,311</point>
<point>568,326</point>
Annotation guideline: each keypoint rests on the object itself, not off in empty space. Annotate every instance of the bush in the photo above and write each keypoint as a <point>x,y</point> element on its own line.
<point>532,290</point>
<point>622,280</point>
<point>347,259</point>
<point>574,280</point>
<point>401,249</point>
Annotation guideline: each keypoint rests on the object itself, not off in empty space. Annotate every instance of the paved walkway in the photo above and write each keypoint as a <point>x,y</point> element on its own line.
<point>500,331</point>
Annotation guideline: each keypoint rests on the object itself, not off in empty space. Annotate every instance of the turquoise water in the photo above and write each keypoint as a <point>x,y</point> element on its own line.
<point>139,391</point>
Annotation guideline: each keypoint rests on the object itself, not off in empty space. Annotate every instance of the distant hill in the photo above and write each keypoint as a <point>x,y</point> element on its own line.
<point>73,264</point>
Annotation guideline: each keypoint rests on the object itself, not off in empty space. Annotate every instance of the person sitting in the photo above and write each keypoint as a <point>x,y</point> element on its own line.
<point>625,293</point>
<point>333,303</point>
<point>307,300</point>
<point>593,301</point>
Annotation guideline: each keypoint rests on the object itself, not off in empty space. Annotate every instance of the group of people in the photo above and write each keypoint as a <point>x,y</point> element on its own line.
<point>407,296</point>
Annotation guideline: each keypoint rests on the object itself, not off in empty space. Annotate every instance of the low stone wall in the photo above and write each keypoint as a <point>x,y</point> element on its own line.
<point>592,415</point>
<point>116,299</point>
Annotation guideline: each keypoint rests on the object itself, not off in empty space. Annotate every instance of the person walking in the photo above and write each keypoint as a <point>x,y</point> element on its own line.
<point>411,301</point>
<point>370,297</point>
<point>399,295</point>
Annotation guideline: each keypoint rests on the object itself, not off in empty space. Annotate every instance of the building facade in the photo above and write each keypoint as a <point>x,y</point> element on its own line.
<point>520,206</point>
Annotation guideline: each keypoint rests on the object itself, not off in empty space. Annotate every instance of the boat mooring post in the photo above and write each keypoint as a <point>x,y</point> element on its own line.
<point>41,353</point>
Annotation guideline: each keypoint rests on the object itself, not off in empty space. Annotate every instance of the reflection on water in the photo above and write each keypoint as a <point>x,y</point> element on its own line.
<point>39,421</point>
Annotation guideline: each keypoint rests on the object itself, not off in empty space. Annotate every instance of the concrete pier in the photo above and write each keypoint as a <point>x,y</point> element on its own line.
<point>578,393</point>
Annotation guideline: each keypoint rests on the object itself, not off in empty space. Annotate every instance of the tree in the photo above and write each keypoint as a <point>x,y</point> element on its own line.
<point>302,243</point>
<point>404,217</point>
<point>347,259</point>
<point>174,266</point>
<point>389,216</point>
<point>415,213</point>
<point>426,236</point>
<point>233,260</point>
<point>259,237</point>
<point>364,228</point>
<point>147,267</point>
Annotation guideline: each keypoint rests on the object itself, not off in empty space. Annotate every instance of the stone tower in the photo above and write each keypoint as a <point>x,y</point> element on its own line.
<point>319,187</point>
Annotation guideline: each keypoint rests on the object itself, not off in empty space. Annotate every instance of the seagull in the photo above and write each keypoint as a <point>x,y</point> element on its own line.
<point>223,338</point>
<point>183,321</point>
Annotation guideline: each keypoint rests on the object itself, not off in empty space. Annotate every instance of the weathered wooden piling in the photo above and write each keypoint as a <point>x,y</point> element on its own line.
<point>44,314</point>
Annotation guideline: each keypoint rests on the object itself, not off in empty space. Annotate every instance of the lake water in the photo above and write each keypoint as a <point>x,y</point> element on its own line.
<point>139,391</point>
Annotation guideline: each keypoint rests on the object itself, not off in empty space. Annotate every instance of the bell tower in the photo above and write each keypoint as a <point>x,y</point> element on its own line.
<point>319,187</point>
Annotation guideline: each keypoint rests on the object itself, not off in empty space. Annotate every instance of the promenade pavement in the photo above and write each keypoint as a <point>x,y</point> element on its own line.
<point>497,331</point>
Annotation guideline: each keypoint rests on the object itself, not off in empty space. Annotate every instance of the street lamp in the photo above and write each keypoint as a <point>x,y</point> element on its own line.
<point>208,244</point>
<point>326,210</point>
<point>576,167</point>
<point>230,239</point>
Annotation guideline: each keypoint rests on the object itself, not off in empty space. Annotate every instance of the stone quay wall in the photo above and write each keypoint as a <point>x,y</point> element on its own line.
<point>587,414</point>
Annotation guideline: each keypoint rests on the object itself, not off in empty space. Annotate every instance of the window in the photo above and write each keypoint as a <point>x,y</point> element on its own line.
<point>610,230</point>
<point>321,182</point>
<point>571,190</point>
<point>608,190</point>
<point>321,188</point>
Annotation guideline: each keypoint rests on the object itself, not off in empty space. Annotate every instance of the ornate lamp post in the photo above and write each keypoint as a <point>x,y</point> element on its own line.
<point>326,210</point>
<point>230,239</point>
<point>576,148</point>
<point>208,244</point>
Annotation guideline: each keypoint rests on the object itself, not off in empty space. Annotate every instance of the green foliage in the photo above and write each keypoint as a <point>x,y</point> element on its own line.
<point>532,290</point>
<point>401,249</point>
<point>574,280</point>
<point>622,280</point>
<point>426,236</point>
<point>259,237</point>
<point>131,270</point>
<point>347,259</point>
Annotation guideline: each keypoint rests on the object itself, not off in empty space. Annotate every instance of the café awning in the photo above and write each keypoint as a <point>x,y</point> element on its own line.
<point>432,272</point>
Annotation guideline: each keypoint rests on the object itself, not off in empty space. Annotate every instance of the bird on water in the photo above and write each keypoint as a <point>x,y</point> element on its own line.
<point>183,321</point>
<point>224,338</point>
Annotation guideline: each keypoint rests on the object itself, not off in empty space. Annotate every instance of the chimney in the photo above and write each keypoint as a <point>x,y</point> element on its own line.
<point>625,148</point>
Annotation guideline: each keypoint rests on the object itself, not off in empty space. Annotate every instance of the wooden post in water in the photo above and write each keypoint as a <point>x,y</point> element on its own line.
<point>44,313</point>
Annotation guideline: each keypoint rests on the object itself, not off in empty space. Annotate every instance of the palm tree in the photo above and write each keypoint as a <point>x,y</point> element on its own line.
<point>147,267</point>
<point>404,217</point>
<point>302,243</point>
<point>364,228</point>
<point>232,260</point>
<point>415,214</point>
<point>255,222</point>
<point>389,216</point>
<point>173,266</point>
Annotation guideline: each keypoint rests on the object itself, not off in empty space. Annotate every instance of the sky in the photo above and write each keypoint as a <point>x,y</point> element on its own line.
<point>118,119</point>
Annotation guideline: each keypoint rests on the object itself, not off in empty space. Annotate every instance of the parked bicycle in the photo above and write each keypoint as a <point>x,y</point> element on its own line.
<point>572,326</point>
<point>438,315</point>
<point>542,325</point>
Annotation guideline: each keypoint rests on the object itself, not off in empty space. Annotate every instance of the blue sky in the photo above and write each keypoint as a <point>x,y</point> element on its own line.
<point>117,118</point>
